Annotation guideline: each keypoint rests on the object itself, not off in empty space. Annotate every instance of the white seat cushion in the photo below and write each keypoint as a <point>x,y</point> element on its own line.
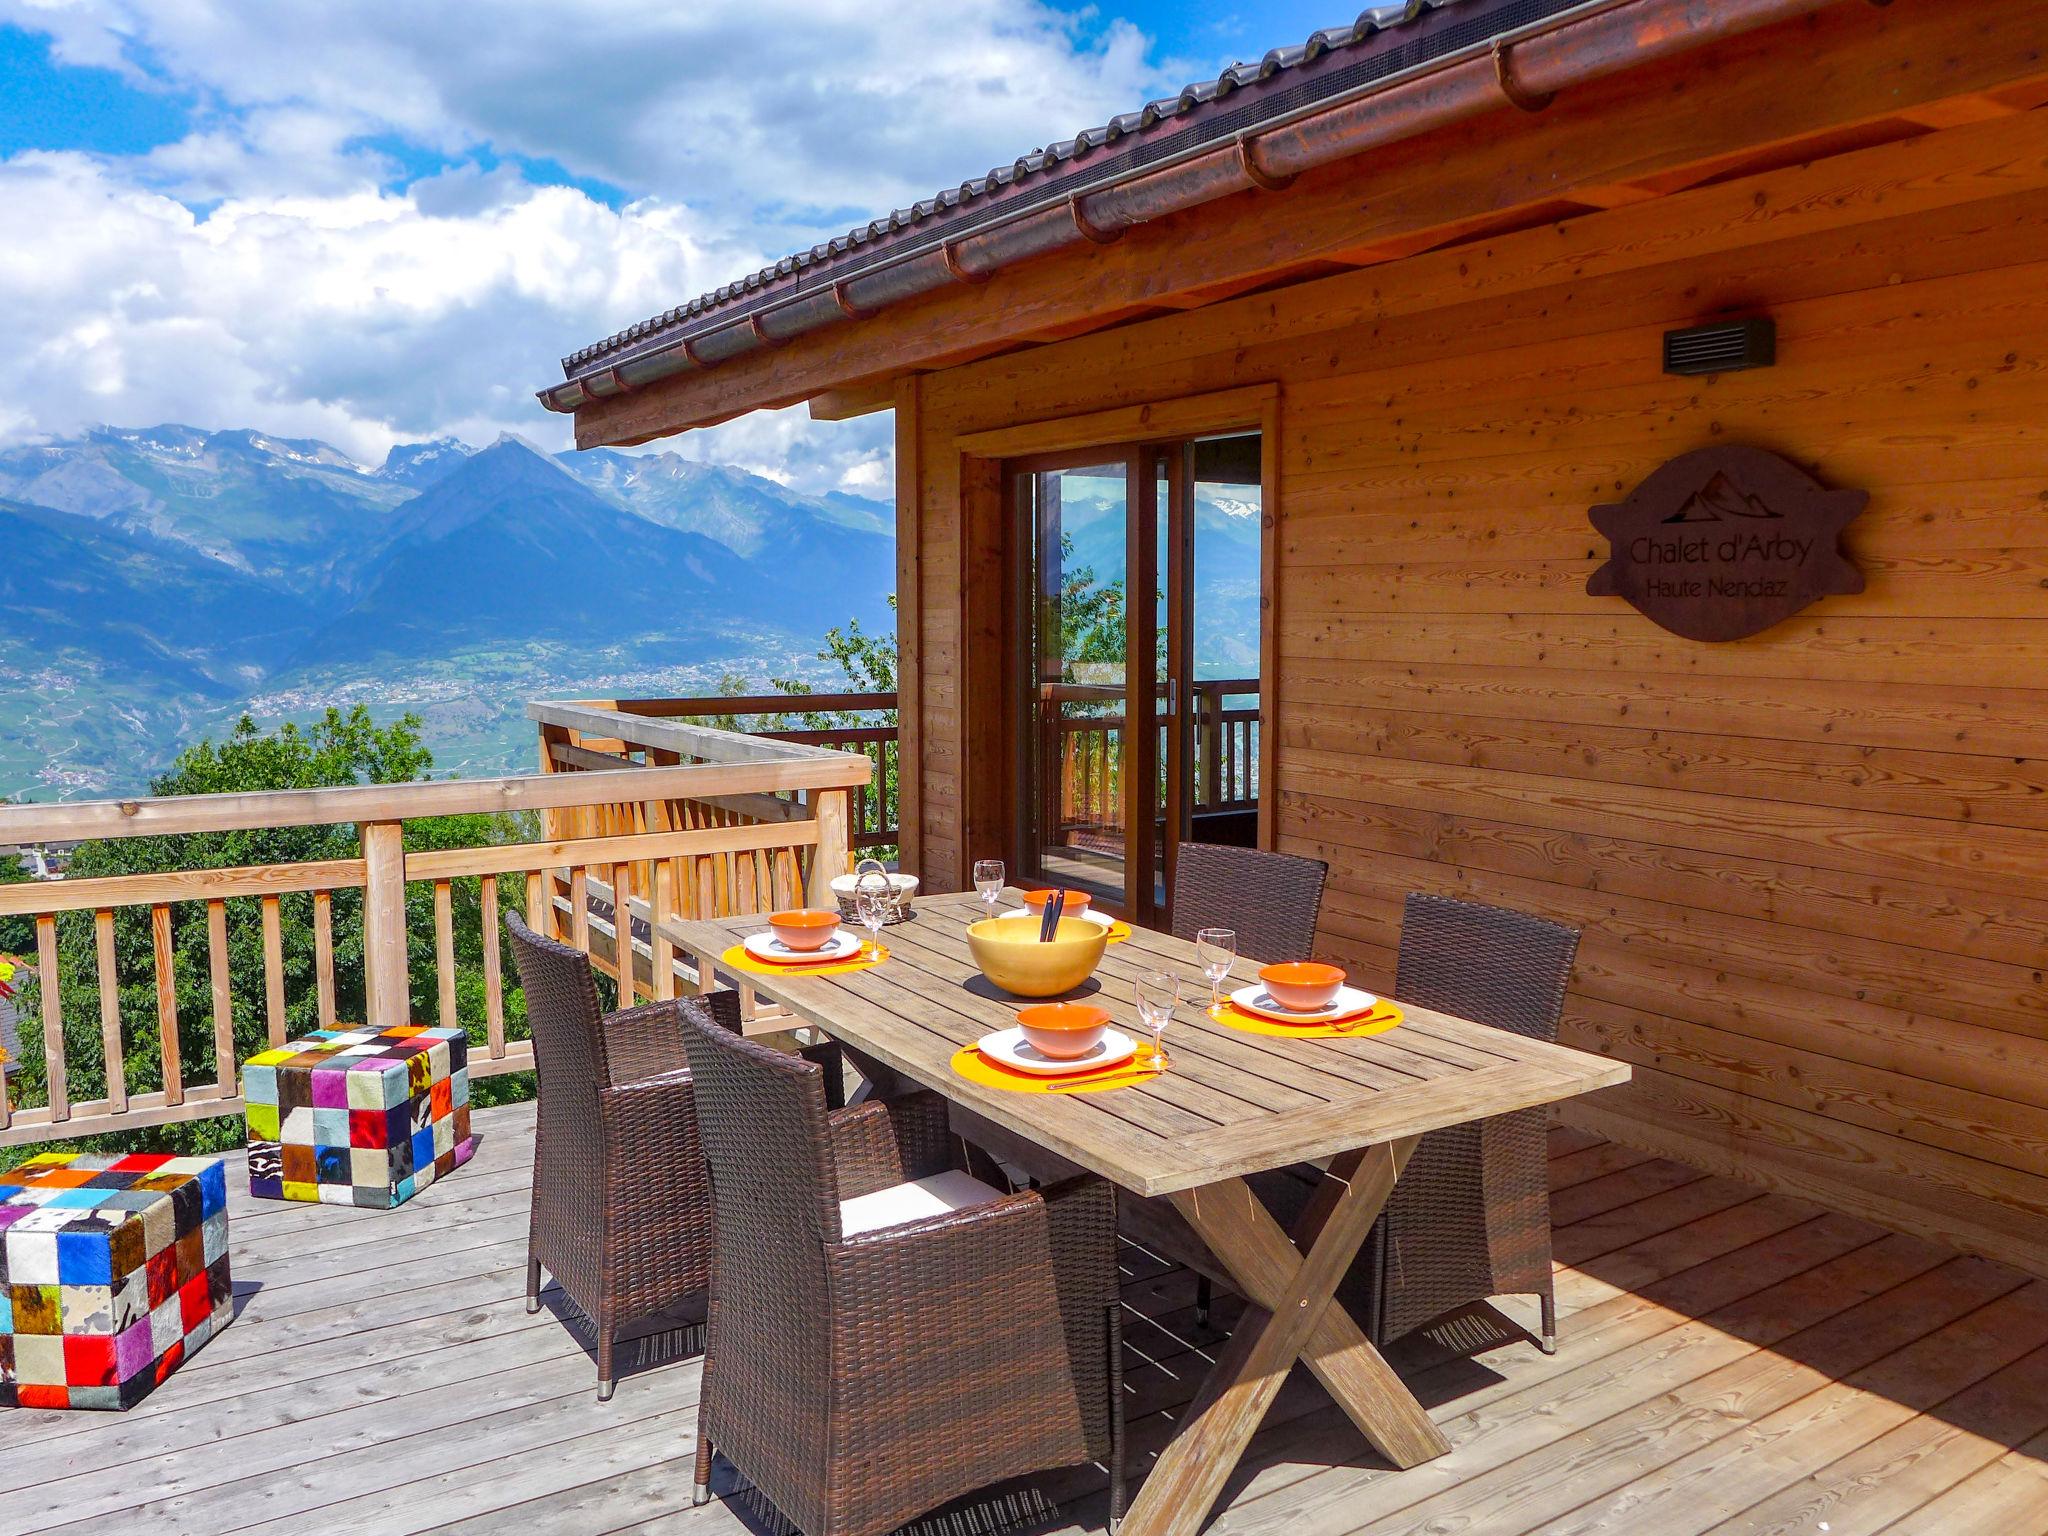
<point>891,1207</point>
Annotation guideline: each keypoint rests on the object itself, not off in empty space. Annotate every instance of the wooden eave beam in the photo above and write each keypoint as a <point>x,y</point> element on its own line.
<point>1973,194</point>
<point>850,400</point>
<point>1859,65</point>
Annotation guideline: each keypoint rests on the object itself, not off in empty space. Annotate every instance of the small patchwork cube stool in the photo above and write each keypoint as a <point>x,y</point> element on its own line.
<point>112,1271</point>
<point>358,1116</point>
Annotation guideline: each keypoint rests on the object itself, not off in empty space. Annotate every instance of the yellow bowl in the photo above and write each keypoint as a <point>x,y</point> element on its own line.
<point>1008,951</point>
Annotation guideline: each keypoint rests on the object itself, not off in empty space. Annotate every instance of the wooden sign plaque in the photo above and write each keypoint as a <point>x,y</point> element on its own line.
<point>1722,543</point>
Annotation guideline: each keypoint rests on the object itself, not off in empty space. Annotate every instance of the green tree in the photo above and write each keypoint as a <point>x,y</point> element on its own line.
<point>338,749</point>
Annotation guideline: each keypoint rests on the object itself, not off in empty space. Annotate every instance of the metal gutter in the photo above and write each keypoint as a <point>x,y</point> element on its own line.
<point>1524,67</point>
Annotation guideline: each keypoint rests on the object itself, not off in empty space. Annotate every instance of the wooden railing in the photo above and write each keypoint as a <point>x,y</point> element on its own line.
<point>1087,735</point>
<point>633,730</point>
<point>745,824</point>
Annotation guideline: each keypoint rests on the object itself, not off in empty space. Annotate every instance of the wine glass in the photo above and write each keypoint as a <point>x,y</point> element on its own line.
<point>1158,994</point>
<point>1217,950</point>
<point>871,909</point>
<point>989,876</point>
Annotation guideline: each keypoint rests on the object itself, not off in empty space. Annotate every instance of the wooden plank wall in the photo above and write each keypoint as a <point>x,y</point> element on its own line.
<point>1812,866</point>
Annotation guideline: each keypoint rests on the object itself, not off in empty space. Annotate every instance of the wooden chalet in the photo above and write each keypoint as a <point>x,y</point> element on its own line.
<point>1411,295</point>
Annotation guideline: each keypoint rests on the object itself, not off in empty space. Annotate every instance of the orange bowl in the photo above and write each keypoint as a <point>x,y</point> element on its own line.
<point>1302,985</point>
<point>1063,1030</point>
<point>805,928</point>
<point>1077,901</point>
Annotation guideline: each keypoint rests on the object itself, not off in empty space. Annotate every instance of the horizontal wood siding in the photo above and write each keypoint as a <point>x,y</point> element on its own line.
<point>1811,866</point>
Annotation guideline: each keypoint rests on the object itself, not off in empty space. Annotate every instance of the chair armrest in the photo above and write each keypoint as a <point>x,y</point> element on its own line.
<point>986,1240</point>
<point>645,1042</point>
<point>657,1116</point>
<point>889,1141</point>
<point>1081,1221</point>
<point>963,1293</point>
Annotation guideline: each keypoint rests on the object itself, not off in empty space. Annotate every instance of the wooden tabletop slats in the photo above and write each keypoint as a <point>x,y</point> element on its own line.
<point>1232,1103</point>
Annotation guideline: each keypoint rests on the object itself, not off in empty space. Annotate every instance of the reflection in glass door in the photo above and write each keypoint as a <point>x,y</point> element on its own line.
<point>1079,522</point>
<point>1139,622</point>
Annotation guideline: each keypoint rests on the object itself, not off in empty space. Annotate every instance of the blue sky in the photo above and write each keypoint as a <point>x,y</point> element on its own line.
<point>371,222</point>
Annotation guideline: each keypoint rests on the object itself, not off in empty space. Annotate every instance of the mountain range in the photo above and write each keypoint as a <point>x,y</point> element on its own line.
<point>157,582</point>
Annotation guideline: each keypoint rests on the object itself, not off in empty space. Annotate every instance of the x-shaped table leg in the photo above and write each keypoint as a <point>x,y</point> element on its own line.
<point>1289,1281</point>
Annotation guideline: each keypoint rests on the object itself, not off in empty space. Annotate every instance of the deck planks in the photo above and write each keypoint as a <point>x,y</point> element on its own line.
<point>1730,1364</point>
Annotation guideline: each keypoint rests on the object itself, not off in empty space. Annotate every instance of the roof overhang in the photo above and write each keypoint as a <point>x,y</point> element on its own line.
<point>843,323</point>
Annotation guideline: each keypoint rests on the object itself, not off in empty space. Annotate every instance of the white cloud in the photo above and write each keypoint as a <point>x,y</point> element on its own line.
<point>360,317</point>
<point>307,297</point>
<point>732,105</point>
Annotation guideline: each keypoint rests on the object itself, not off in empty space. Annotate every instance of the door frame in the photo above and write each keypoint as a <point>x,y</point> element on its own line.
<point>991,812</point>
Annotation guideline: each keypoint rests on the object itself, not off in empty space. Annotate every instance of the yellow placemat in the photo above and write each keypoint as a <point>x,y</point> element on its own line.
<point>977,1068</point>
<point>1378,1022</point>
<point>738,958</point>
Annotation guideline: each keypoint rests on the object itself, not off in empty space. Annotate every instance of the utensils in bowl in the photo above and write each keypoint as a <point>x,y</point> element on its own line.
<point>1008,952</point>
<point>1049,917</point>
<point>1302,985</point>
<point>1063,1030</point>
<point>804,928</point>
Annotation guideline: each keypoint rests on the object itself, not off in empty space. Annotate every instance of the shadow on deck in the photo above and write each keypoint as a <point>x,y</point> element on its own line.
<point>1729,1361</point>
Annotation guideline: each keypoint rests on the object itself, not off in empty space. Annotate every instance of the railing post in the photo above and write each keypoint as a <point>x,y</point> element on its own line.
<point>1209,723</point>
<point>834,846</point>
<point>386,980</point>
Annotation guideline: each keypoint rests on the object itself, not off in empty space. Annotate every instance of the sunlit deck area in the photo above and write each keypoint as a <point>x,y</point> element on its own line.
<point>1729,1361</point>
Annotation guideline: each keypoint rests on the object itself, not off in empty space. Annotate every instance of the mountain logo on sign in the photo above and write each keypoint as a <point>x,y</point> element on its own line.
<point>1719,499</point>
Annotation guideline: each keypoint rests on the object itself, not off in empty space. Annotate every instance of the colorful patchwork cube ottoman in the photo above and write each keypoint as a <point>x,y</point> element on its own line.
<point>358,1116</point>
<point>112,1271</point>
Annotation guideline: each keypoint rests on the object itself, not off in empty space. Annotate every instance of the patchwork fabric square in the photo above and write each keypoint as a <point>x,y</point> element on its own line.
<point>112,1271</point>
<point>358,1116</point>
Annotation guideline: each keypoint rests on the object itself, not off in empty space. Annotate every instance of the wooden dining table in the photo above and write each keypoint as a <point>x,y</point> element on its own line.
<point>1231,1104</point>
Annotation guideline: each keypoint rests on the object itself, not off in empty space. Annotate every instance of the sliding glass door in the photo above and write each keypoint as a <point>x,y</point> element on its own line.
<point>1134,655</point>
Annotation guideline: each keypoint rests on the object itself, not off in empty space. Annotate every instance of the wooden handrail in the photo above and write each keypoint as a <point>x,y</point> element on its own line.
<point>746,704</point>
<point>807,768</point>
<point>593,735</point>
<point>704,742</point>
<point>764,824</point>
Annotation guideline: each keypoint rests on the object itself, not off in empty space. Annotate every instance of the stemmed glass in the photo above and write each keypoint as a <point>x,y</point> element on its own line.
<point>871,907</point>
<point>1158,994</point>
<point>1217,950</point>
<point>989,876</point>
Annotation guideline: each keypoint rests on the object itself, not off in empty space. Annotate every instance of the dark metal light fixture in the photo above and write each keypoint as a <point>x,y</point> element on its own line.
<point>1725,347</point>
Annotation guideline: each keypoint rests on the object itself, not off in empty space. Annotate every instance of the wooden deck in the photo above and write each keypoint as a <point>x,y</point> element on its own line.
<point>1730,1361</point>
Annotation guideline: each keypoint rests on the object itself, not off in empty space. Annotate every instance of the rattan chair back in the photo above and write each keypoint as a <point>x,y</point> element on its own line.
<point>761,1120</point>
<point>1470,1218</point>
<point>621,1212</point>
<point>1489,964</point>
<point>567,1023</point>
<point>1270,900</point>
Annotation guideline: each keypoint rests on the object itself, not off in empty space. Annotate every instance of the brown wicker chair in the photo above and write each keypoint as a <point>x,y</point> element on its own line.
<point>1269,900</point>
<point>887,1334</point>
<point>621,1203</point>
<point>1470,1217</point>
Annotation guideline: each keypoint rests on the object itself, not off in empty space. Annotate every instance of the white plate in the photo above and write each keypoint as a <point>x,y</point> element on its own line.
<point>1009,1048</point>
<point>1101,919</point>
<point>765,946</point>
<point>1347,1004</point>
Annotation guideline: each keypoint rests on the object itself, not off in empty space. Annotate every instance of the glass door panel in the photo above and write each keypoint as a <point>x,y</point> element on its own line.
<point>1080,523</point>
<point>1225,546</point>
